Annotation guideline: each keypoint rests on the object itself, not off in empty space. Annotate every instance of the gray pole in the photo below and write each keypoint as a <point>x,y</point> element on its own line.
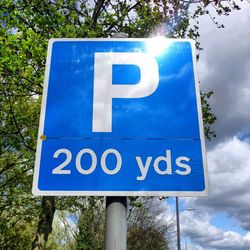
<point>116,212</point>
<point>178,224</point>
<point>116,223</point>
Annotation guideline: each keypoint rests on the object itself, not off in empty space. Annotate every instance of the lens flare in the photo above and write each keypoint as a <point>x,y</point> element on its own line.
<point>157,45</point>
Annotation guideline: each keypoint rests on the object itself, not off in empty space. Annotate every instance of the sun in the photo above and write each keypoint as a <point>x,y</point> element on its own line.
<point>157,45</point>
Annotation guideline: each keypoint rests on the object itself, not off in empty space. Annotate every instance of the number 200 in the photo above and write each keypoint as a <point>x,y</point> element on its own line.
<point>60,168</point>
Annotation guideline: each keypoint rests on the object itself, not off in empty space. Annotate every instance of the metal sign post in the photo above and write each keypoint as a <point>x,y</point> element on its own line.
<point>116,223</point>
<point>116,213</point>
<point>177,223</point>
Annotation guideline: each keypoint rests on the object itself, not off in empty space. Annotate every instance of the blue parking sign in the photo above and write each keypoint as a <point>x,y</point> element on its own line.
<point>121,117</point>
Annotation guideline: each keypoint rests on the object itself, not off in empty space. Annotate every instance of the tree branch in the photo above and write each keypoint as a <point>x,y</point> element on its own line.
<point>18,129</point>
<point>96,13</point>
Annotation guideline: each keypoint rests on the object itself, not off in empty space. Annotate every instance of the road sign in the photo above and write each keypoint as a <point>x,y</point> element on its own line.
<point>120,117</point>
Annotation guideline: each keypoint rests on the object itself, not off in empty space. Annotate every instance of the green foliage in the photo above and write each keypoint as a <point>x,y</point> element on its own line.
<point>63,236</point>
<point>80,227</point>
<point>208,117</point>
<point>91,225</point>
<point>25,28</point>
<point>134,201</point>
<point>146,229</point>
<point>15,233</point>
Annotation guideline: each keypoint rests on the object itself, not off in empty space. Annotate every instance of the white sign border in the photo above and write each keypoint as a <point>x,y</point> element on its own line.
<point>37,191</point>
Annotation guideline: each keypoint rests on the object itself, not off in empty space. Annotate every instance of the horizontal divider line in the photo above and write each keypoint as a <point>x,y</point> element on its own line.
<point>117,138</point>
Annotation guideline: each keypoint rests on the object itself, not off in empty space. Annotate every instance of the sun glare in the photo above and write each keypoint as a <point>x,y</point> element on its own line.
<point>157,45</point>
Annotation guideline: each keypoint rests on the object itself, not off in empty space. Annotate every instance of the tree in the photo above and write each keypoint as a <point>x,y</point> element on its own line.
<point>91,225</point>
<point>26,27</point>
<point>146,228</point>
<point>83,228</point>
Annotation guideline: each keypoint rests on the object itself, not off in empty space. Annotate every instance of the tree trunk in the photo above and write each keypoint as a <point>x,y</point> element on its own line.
<point>45,223</point>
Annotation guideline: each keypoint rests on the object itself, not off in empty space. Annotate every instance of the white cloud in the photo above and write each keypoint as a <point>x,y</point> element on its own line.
<point>206,236</point>
<point>228,165</point>
<point>199,228</point>
<point>224,68</point>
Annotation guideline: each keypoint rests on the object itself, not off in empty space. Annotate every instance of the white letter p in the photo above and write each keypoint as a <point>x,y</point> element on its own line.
<point>105,91</point>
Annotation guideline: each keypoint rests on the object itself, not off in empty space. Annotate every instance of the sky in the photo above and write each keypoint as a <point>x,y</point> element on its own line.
<point>221,221</point>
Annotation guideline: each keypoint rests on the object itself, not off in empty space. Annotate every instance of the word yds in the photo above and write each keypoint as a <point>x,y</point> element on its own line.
<point>86,163</point>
